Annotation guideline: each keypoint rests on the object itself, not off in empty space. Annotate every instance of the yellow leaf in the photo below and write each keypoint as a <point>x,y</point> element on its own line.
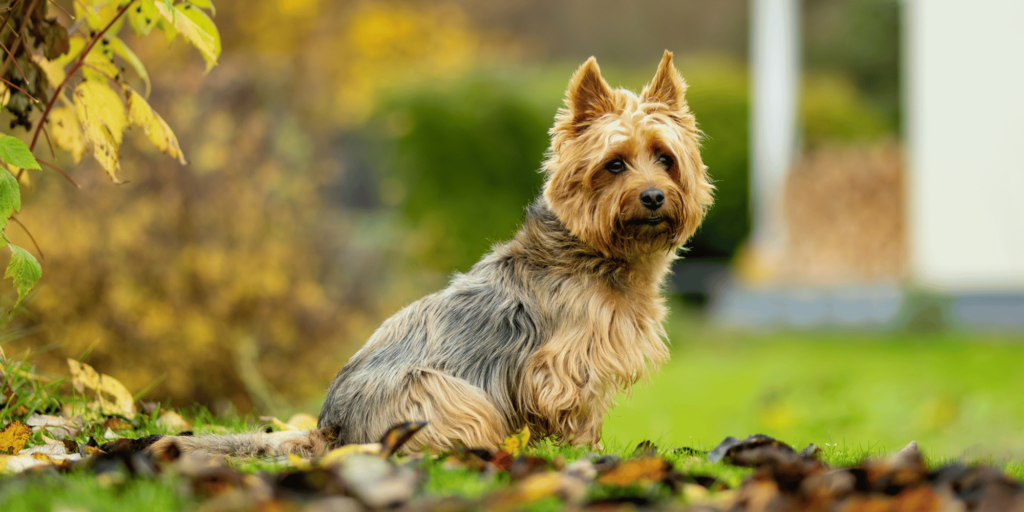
<point>76,45</point>
<point>66,132</point>
<point>338,454</point>
<point>299,463</point>
<point>188,29</point>
<point>99,14</point>
<point>141,114</point>
<point>103,119</point>
<point>303,421</point>
<point>173,422</point>
<point>111,396</point>
<point>13,437</point>
<point>204,23</point>
<point>516,443</point>
<point>143,17</point>
<point>54,71</point>
<point>279,424</point>
<point>99,64</point>
<point>118,46</point>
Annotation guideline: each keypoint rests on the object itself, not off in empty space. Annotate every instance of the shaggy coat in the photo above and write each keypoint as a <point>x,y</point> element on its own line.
<point>547,328</point>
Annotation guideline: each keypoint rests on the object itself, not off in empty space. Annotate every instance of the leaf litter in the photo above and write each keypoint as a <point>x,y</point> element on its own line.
<point>377,476</point>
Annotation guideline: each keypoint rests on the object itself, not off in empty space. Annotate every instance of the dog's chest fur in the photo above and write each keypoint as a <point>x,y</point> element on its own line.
<point>601,322</point>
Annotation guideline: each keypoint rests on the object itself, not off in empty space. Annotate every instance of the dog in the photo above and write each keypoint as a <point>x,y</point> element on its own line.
<point>546,329</point>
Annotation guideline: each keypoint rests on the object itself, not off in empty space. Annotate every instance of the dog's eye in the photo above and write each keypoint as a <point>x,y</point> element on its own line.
<point>665,160</point>
<point>616,166</point>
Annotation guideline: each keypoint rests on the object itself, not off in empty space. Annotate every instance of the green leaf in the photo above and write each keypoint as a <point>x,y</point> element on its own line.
<point>16,153</point>
<point>24,270</point>
<point>10,197</point>
<point>127,54</point>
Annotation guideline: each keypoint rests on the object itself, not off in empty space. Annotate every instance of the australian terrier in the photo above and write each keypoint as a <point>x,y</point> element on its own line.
<point>547,328</point>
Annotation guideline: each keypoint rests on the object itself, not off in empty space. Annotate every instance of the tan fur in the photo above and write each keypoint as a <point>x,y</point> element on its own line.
<point>547,328</point>
<point>612,336</point>
<point>453,409</point>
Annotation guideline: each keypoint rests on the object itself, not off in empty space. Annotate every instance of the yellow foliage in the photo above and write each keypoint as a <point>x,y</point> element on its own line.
<point>54,71</point>
<point>67,132</point>
<point>141,114</point>
<point>99,64</point>
<point>206,43</point>
<point>103,119</point>
<point>167,277</point>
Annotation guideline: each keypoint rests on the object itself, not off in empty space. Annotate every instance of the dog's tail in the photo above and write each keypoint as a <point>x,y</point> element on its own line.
<point>305,443</point>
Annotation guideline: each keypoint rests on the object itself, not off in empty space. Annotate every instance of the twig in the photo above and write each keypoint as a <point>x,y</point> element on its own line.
<point>20,89</point>
<point>20,37</point>
<point>46,133</point>
<point>55,4</point>
<point>27,232</point>
<point>10,11</point>
<point>74,69</point>
<point>61,171</point>
<point>22,71</point>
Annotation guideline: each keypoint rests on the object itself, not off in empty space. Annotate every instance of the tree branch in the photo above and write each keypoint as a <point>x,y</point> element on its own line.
<point>73,70</point>
<point>20,37</point>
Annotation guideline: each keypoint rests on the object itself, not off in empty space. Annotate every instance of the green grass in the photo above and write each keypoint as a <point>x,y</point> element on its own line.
<point>854,394</point>
<point>956,395</point>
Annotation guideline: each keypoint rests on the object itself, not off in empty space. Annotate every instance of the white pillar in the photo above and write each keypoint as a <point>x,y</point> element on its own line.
<point>964,74</point>
<point>775,75</point>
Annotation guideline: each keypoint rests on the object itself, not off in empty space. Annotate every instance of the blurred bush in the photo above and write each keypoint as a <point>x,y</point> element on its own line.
<point>246,278</point>
<point>345,157</point>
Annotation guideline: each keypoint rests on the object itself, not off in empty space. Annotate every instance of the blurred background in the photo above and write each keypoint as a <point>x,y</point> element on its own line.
<point>859,280</point>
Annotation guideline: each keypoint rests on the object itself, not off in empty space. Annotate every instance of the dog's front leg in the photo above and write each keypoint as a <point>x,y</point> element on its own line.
<point>563,405</point>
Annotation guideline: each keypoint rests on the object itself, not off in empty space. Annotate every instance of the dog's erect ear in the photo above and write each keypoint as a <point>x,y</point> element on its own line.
<point>589,95</point>
<point>668,85</point>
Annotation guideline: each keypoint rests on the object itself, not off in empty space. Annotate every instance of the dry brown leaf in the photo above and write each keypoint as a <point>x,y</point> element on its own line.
<point>13,437</point>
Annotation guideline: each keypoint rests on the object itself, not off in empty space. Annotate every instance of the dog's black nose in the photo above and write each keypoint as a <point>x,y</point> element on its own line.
<point>652,198</point>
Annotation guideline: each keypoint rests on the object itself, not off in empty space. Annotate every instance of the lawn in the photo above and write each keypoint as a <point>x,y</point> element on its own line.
<point>854,394</point>
<point>955,394</point>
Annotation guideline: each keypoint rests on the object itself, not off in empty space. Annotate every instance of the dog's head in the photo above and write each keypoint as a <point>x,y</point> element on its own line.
<point>624,172</point>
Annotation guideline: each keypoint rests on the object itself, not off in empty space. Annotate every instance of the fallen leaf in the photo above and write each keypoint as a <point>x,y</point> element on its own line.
<point>341,453</point>
<point>112,398</point>
<point>173,422</point>
<point>303,421</point>
<point>376,482</point>
<point>516,443</point>
<point>398,436</point>
<point>13,437</point>
<point>748,452</point>
<point>502,460</point>
<point>115,423</point>
<point>277,423</point>
<point>642,471</point>
<point>526,465</point>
